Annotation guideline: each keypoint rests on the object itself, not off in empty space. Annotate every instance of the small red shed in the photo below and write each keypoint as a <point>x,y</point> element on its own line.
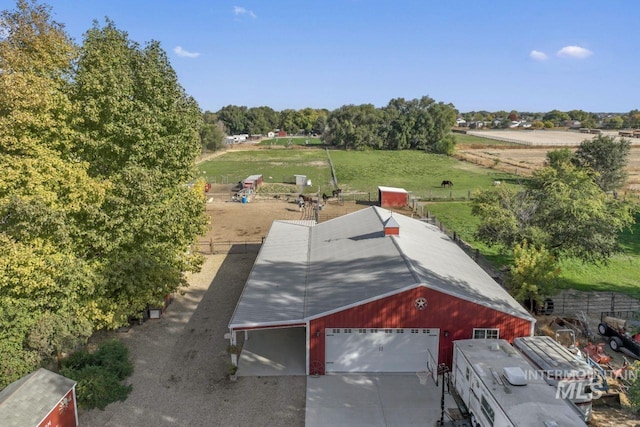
<point>252,182</point>
<point>40,399</point>
<point>392,197</point>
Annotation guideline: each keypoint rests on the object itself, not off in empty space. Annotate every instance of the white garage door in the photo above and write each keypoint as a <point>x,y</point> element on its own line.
<point>380,350</point>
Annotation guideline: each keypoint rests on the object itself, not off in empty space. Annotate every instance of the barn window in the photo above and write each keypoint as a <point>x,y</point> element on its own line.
<point>414,331</point>
<point>336,331</point>
<point>347,331</point>
<point>399,331</point>
<point>362,331</point>
<point>388,331</point>
<point>486,333</point>
<point>373,330</point>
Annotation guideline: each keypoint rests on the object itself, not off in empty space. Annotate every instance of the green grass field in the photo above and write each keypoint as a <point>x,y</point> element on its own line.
<point>421,174</point>
<point>273,165</point>
<point>293,140</point>
<point>417,172</point>
<point>472,140</point>
<point>619,275</point>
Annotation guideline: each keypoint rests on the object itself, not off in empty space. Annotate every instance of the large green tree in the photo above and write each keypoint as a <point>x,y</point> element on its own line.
<point>211,133</point>
<point>533,274</point>
<point>416,124</point>
<point>48,201</point>
<point>561,208</point>
<point>355,126</point>
<point>607,157</point>
<point>140,132</point>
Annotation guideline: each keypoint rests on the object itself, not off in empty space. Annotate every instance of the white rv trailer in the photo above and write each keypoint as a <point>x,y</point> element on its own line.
<point>562,368</point>
<point>500,388</point>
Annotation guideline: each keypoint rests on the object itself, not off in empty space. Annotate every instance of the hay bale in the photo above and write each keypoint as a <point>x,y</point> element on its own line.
<point>615,322</point>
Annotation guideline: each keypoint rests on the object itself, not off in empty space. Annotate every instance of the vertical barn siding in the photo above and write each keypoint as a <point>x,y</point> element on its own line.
<point>64,418</point>
<point>456,316</point>
<point>392,199</point>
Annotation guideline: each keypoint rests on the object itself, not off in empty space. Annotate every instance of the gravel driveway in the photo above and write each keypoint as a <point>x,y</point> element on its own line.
<point>181,364</point>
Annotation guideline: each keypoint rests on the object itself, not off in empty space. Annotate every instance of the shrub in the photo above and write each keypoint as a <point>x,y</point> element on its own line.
<point>99,374</point>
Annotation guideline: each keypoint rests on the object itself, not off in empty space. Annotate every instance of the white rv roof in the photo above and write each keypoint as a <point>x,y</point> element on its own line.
<point>554,358</point>
<point>533,404</point>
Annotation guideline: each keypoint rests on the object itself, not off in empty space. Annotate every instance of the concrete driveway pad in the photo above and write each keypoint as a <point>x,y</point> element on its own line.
<point>373,400</point>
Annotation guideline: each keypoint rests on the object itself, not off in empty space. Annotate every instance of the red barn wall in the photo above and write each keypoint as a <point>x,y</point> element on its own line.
<point>392,199</point>
<point>456,316</point>
<point>62,415</point>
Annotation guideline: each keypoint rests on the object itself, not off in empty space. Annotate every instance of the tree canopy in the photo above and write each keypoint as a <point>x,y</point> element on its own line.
<point>97,145</point>
<point>561,208</point>
<point>607,157</point>
<point>416,124</point>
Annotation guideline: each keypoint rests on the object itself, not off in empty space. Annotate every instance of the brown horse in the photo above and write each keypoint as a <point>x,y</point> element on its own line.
<point>446,183</point>
<point>337,192</point>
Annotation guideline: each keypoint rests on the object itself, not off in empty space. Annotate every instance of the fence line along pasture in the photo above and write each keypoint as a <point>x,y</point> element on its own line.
<point>227,246</point>
<point>334,177</point>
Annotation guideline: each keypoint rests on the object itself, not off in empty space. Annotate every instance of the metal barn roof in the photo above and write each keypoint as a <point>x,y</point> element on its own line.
<point>304,272</point>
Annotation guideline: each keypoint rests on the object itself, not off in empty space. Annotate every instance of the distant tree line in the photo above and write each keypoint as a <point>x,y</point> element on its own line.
<point>555,118</point>
<point>422,124</point>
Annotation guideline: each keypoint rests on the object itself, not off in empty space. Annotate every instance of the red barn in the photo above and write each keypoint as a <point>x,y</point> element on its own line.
<point>372,291</point>
<point>40,399</point>
<point>392,197</point>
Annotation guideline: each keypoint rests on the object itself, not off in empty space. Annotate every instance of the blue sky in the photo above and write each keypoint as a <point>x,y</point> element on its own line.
<point>479,55</point>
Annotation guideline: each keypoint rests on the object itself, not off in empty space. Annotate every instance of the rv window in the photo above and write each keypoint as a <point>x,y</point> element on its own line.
<point>487,410</point>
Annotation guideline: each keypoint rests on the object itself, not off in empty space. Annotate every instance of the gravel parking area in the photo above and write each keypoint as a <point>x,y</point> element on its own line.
<point>181,375</point>
<point>182,365</point>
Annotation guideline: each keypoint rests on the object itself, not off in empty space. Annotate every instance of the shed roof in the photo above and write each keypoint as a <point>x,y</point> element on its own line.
<point>392,189</point>
<point>27,401</point>
<point>305,272</point>
<point>253,177</point>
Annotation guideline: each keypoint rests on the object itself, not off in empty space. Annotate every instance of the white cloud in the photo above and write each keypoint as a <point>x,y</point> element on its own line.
<point>538,56</point>
<point>239,10</point>
<point>574,52</point>
<point>178,50</point>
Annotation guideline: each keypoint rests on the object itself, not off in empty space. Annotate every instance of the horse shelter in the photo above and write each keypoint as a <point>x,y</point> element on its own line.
<point>392,197</point>
<point>371,291</point>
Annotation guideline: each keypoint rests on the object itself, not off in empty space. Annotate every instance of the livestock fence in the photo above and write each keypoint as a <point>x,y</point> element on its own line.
<point>211,247</point>
<point>572,302</point>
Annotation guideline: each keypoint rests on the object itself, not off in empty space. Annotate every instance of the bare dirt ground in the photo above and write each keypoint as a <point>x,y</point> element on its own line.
<point>524,160</point>
<point>181,375</point>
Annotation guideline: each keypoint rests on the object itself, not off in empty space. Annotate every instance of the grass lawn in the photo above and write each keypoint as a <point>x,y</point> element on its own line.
<point>273,165</point>
<point>292,140</point>
<point>621,273</point>
<point>472,140</point>
<point>417,172</point>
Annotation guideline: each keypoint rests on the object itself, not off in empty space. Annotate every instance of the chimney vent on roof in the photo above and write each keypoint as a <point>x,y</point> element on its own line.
<point>391,227</point>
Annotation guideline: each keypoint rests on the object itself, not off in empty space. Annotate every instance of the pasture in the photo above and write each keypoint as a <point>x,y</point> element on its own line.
<point>421,174</point>
<point>272,164</point>
<point>541,138</point>
<point>291,140</point>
